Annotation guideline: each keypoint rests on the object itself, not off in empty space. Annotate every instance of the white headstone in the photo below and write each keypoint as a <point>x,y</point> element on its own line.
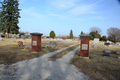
<point>96,40</point>
<point>1,39</point>
<point>12,40</point>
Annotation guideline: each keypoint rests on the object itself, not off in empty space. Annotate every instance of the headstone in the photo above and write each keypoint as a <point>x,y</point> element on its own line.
<point>22,36</point>
<point>20,43</point>
<point>118,52</point>
<point>106,52</point>
<point>118,43</point>
<point>22,40</point>
<point>58,42</point>
<point>53,43</point>
<point>110,45</point>
<point>118,57</point>
<point>1,39</point>
<point>47,46</point>
<point>12,40</point>
<point>106,44</point>
<point>96,42</point>
<point>28,46</point>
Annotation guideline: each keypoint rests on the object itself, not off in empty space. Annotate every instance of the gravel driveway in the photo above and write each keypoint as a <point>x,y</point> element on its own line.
<point>42,69</point>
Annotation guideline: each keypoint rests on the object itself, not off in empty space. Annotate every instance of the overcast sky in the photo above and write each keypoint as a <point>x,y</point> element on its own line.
<point>63,15</point>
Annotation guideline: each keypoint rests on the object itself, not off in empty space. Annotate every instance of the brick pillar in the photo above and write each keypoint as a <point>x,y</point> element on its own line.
<point>36,42</point>
<point>84,46</point>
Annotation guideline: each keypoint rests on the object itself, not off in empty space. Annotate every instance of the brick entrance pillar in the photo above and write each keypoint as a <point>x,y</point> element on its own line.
<point>84,46</point>
<point>36,42</point>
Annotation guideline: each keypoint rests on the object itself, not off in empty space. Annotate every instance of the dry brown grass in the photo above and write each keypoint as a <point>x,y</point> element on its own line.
<point>99,67</point>
<point>11,53</point>
<point>62,53</point>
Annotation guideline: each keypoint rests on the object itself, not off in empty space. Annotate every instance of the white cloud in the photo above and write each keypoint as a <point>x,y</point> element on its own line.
<point>83,9</point>
<point>31,11</point>
<point>22,1</point>
<point>63,4</point>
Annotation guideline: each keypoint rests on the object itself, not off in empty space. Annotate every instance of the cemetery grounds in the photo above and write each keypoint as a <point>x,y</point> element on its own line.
<point>99,67</point>
<point>11,53</point>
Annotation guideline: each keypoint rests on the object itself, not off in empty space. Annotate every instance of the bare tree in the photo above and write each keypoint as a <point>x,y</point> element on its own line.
<point>94,29</point>
<point>114,33</point>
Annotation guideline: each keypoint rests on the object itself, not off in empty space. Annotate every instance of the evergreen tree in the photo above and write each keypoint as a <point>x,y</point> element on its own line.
<point>9,16</point>
<point>82,32</point>
<point>71,34</point>
<point>52,34</point>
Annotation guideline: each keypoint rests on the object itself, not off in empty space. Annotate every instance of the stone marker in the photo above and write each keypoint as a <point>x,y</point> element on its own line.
<point>1,39</point>
<point>118,43</point>
<point>36,42</point>
<point>118,52</point>
<point>22,40</point>
<point>53,43</point>
<point>84,46</point>
<point>106,44</point>
<point>96,42</point>
<point>106,52</point>
<point>22,36</point>
<point>20,43</point>
<point>110,45</point>
<point>12,40</point>
<point>58,42</point>
<point>118,57</point>
<point>28,46</point>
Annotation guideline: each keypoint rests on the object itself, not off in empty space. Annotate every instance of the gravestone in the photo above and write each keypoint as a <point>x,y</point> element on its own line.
<point>112,43</point>
<point>58,42</point>
<point>20,43</point>
<point>96,42</point>
<point>22,40</point>
<point>22,37</point>
<point>1,39</point>
<point>107,52</point>
<point>53,43</point>
<point>28,46</point>
<point>106,44</point>
<point>12,40</point>
<point>118,43</point>
<point>118,52</point>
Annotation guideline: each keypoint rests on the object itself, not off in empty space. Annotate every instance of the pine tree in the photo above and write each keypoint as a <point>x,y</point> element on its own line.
<point>52,34</point>
<point>71,34</point>
<point>9,16</point>
<point>82,32</point>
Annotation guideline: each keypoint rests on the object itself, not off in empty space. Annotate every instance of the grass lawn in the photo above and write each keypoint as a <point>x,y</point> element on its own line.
<point>99,67</point>
<point>11,53</point>
<point>62,53</point>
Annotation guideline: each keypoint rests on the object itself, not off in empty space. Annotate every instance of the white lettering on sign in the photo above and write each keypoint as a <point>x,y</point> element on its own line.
<point>34,43</point>
<point>84,46</point>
